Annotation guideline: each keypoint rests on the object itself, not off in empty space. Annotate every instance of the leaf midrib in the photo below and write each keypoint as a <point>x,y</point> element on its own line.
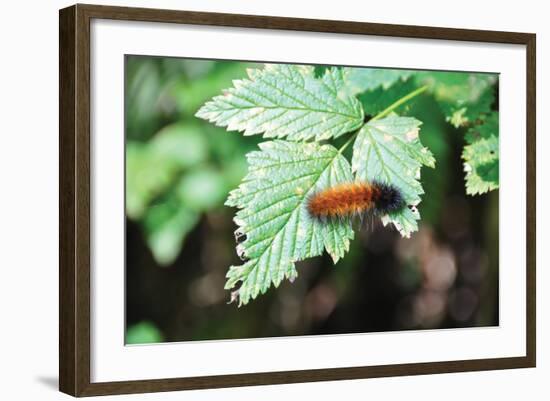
<point>304,109</point>
<point>312,94</point>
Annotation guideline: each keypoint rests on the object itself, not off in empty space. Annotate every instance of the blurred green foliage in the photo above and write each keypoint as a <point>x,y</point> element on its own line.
<point>143,333</point>
<point>177,166</point>
<point>463,97</point>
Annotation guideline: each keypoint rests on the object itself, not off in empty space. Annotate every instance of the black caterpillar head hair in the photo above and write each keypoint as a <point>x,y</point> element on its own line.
<point>389,198</point>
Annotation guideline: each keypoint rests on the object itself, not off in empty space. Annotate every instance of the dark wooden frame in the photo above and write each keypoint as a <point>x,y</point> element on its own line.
<point>74,199</point>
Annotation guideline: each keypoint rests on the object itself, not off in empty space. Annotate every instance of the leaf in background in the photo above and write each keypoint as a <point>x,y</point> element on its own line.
<point>168,220</point>
<point>202,189</point>
<point>462,97</point>
<point>435,136</point>
<point>274,217</point>
<point>153,166</point>
<point>166,225</point>
<point>286,101</point>
<point>375,101</point>
<point>481,155</point>
<point>151,103</point>
<point>190,94</point>
<point>359,80</point>
<point>481,164</point>
<point>183,144</point>
<point>142,92</point>
<point>320,70</point>
<point>484,129</point>
<point>143,333</point>
<point>389,150</point>
<point>459,116</point>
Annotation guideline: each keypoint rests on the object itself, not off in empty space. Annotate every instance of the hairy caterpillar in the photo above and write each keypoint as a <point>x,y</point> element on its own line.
<point>355,199</point>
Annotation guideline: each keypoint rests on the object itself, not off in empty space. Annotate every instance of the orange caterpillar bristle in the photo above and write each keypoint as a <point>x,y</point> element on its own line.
<point>355,199</point>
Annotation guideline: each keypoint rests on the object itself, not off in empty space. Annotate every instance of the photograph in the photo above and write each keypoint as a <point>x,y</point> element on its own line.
<point>265,199</point>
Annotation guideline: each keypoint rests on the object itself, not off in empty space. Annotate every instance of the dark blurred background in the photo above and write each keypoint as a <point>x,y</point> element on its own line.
<point>180,241</point>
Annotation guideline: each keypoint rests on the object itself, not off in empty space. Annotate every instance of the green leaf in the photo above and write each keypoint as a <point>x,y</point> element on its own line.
<point>143,333</point>
<point>189,94</point>
<point>166,224</point>
<point>481,155</point>
<point>405,221</point>
<point>286,101</point>
<point>377,100</point>
<point>359,80</point>
<point>153,166</point>
<point>459,115</point>
<point>202,189</point>
<point>484,129</point>
<point>182,144</point>
<point>481,165</point>
<point>462,97</point>
<point>434,136</point>
<point>320,70</point>
<point>274,218</point>
<point>389,150</point>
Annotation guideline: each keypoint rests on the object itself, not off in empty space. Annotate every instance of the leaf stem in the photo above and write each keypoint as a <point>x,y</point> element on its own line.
<point>399,102</point>
<point>386,111</point>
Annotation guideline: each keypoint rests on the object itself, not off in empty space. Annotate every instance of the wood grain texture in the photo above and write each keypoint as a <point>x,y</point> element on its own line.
<point>74,206</point>
<point>67,100</point>
<point>531,228</point>
<point>301,24</point>
<point>74,199</point>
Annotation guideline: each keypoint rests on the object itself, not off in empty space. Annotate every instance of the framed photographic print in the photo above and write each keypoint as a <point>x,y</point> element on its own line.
<point>251,200</point>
